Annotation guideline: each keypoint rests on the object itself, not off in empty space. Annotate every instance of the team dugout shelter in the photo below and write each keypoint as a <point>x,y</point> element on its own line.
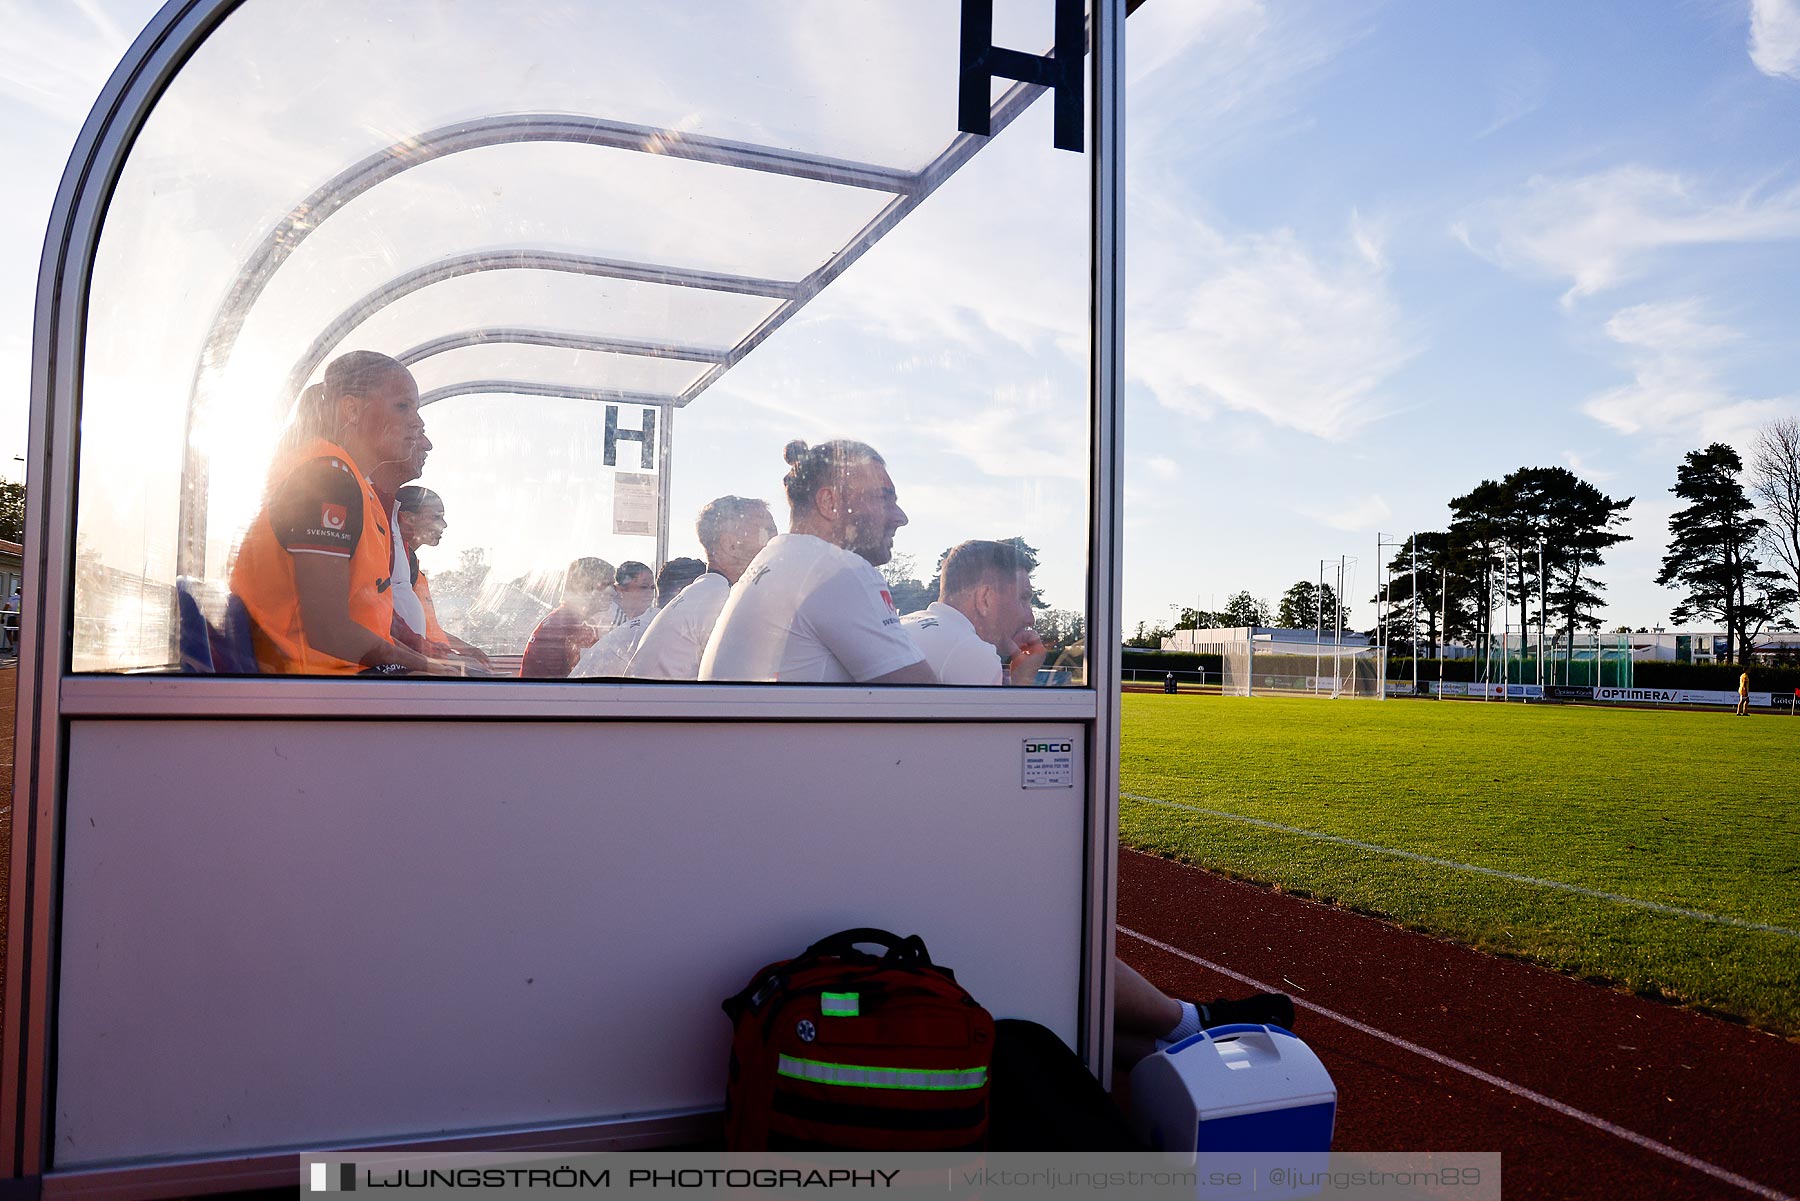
<point>628,251</point>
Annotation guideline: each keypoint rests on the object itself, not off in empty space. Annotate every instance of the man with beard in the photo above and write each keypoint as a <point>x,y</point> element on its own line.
<point>811,608</point>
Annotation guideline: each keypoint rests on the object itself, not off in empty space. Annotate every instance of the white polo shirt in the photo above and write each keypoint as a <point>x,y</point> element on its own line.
<point>948,640</point>
<point>806,611</point>
<point>611,654</point>
<point>406,602</point>
<point>672,645</point>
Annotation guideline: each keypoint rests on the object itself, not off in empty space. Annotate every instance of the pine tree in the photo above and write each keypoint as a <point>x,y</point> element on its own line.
<point>1502,524</point>
<point>1712,551</point>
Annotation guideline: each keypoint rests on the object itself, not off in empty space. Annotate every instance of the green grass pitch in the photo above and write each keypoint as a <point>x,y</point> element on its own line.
<point>1677,810</point>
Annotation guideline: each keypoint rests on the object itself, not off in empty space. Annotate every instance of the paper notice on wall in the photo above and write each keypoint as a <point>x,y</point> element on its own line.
<point>634,503</point>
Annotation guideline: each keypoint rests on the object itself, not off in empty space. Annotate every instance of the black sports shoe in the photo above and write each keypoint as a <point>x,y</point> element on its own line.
<point>1263,1009</point>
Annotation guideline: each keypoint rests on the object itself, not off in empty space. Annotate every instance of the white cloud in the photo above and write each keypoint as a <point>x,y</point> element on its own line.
<point>1263,324</point>
<point>1256,321</point>
<point>1355,515</point>
<point>1580,466</point>
<point>1208,75</point>
<point>1775,37</point>
<point>1520,89</point>
<point>1598,230</point>
<point>1163,467</point>
<point>1675,393</point>
<point>54,57</point>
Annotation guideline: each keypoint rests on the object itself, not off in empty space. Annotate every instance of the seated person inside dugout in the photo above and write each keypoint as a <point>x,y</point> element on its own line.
<point>981,621</point>
<point>811,607</point>
<point>732,530</point>
<point>574,625</point>
<point>419,514</point>
<point>316,566</point>
<point>611,656</point>
<point>634,592</point>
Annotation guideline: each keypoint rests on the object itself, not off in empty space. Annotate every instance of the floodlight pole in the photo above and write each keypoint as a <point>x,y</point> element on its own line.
<point>1318,627</point>
<point>1337,637</point>
<point>1543,611</point>
<point>1415,612</point>
<point>1505,622</point>
<point>1487,632</point>
<point>1443,624</point>
<point>1507,567</point>
<point>1380,622</point>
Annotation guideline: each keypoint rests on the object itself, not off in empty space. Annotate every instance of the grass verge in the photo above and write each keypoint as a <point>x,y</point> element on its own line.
<point>1689,811</point>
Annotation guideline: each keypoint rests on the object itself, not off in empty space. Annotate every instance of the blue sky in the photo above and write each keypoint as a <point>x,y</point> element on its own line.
<point>1378,252</point>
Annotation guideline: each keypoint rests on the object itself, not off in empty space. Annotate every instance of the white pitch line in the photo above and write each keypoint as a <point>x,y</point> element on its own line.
<point>1616,897</point>
<point>1517,1090</point>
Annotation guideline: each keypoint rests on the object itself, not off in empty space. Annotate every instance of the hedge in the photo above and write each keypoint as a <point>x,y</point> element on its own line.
<point>1646,673</point>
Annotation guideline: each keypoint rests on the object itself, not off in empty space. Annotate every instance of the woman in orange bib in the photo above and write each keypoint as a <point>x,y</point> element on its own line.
<point>315,567</point>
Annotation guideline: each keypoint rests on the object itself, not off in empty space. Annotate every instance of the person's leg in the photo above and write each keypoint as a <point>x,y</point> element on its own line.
<point>1139,1007</point>
<point>1144,1015</point>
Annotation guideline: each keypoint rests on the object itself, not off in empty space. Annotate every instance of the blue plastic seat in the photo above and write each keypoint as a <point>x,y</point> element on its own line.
<point>196,636</point>
<point>233,651</point>
<point>206,649</point>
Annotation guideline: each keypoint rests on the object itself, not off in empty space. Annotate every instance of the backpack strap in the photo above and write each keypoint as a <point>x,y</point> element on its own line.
<point>908,952</point>
<point>901,952</point>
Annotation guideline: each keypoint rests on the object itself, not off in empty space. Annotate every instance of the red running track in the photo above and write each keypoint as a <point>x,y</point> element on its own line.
<point>1586,1092</point>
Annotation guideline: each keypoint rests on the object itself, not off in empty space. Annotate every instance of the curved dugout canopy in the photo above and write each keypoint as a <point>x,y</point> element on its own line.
<point>583,220</point>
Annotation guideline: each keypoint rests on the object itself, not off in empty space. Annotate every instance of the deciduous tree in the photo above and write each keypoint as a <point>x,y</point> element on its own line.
<point>1775,481</point>
<point>1712,555</point>
<point>1301,607</point>
<point>12,511</point>
<point>1242,609</point>
<point>909,594</point>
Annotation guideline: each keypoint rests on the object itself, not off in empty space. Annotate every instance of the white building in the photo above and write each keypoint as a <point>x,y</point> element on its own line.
<point>1708,645</point>
<point>1279,638</point>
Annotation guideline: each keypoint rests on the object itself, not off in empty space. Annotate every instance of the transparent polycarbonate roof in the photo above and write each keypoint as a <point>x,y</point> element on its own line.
<point>519,200</point>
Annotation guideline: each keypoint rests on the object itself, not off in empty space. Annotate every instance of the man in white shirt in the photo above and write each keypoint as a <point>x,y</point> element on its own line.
<point>811,608</point>
<point>981,621</point>
<point>612,654</point>
<point>733,529</point>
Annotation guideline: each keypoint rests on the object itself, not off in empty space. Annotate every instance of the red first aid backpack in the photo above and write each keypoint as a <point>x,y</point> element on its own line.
<point>841,1050</point>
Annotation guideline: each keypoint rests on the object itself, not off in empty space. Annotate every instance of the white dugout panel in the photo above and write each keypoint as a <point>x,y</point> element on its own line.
<point>533,932</point>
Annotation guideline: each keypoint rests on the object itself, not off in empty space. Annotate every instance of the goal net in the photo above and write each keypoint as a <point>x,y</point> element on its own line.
<point>1251,667</point>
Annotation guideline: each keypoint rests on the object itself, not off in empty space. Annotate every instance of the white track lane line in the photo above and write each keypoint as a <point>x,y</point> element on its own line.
<point>1616,897</point>
<point>1517,1090</point>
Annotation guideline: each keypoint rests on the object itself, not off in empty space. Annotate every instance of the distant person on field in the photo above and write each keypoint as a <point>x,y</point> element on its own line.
<point>811,608</point>
<point>1743,705</point>
<point>9,623</point>
<point>570,628</point>
<point>979,631</point>
<point>733,530</point>
<point>315,569</point>
<point>420,516</point>
<point>611,656</point>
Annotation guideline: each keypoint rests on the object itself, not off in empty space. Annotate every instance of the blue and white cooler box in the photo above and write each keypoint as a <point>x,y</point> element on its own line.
<point>1236,1090</point>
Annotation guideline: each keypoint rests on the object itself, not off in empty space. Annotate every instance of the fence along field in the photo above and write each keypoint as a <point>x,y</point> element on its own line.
<point>1655,850</point>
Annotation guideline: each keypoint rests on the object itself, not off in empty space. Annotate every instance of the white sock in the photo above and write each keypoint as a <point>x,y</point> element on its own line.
<point>1187,1027</point>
